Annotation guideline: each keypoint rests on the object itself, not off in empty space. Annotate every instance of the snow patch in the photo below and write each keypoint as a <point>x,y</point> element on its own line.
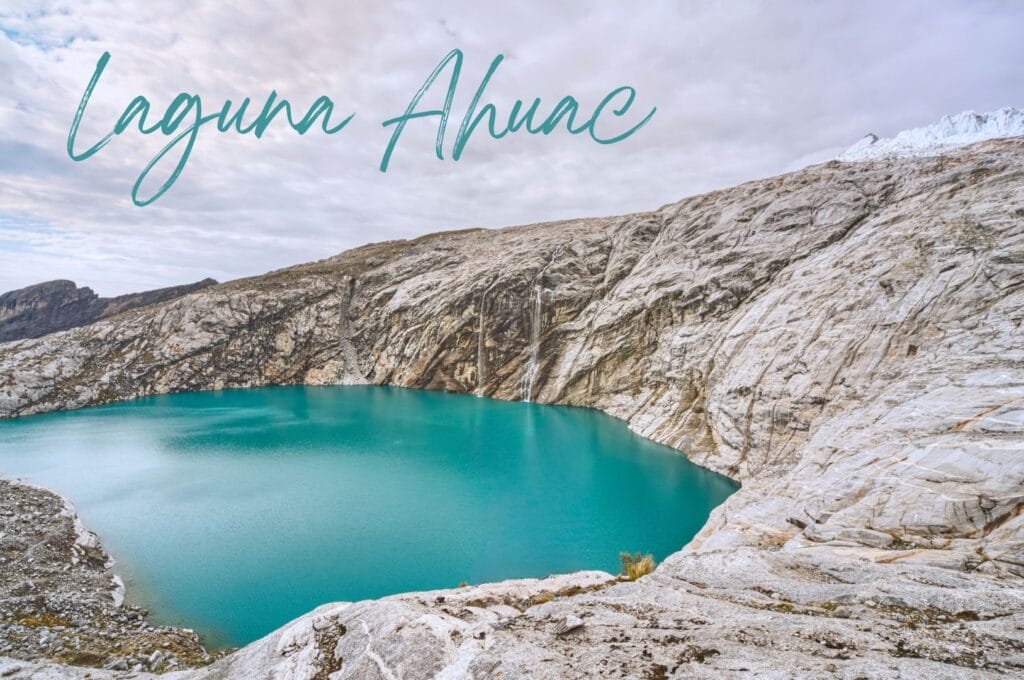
<point>949,133</point>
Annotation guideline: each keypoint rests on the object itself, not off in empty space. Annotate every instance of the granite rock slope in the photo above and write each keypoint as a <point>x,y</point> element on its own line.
<point>846,341</point>
<point>701,614</point>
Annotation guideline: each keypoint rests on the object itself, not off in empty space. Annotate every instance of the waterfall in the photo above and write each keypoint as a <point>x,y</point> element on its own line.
<point>481,363</point>
<point>354,374</point>
<point>533,365</point>
<point>530,376</point>
<point>480,348</point>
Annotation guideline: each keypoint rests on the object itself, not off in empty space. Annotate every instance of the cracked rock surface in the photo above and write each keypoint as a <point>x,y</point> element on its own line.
<point>846,341</point>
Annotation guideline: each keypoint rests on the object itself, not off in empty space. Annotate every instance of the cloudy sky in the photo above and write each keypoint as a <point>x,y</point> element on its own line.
<point>742,90</point>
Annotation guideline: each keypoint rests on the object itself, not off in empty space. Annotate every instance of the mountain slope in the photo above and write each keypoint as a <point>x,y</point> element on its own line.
<point>845,340</point>
<point>54,306</point>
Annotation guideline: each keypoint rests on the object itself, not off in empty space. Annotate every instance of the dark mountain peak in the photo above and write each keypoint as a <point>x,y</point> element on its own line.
<point>60,304</point>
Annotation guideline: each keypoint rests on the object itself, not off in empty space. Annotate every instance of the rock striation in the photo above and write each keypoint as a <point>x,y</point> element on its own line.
<point>58,305</point>
<point>847,341</point>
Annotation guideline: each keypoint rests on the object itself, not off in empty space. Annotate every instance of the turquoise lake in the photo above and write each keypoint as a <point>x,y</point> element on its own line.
<point>234,512</point>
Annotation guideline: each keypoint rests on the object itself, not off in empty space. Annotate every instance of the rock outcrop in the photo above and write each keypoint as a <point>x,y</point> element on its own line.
<point>53,306</point>
<point>847,341</point>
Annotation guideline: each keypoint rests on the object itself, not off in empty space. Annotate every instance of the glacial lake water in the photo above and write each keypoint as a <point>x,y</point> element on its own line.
<point>234,512</point>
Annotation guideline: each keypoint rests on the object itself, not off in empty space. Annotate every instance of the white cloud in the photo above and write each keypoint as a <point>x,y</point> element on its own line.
<point>742,89</point>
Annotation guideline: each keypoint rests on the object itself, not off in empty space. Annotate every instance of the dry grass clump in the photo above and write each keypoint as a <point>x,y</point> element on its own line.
<point>43,620</point>
<point>635,566</point>
<point>542,597</point>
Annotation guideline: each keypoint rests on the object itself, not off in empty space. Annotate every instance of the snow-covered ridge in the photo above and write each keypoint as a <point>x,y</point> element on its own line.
<point>950,132</point>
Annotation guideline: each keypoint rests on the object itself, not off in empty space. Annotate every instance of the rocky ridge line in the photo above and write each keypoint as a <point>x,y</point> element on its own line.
<point>53,306</point>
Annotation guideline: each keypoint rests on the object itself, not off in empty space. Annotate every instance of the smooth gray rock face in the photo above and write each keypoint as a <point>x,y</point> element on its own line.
<point>846,341</point>
<point>53,306</point>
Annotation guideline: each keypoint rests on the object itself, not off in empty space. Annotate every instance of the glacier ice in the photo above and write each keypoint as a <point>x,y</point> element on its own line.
<point>950,132</point>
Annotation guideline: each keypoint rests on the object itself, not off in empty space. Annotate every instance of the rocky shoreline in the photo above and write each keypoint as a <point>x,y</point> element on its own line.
<point>60,601</point>
<point>700,615</point>
<point>847,341</point>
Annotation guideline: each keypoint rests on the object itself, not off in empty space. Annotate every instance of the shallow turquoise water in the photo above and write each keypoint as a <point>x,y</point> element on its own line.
<point>234,512</point>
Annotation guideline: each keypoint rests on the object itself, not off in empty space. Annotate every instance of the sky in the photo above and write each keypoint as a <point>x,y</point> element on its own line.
<point>743,90</point>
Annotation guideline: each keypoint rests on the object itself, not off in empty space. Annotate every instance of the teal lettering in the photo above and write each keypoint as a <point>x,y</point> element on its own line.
<point>182,120</point>
<point>566,112</point>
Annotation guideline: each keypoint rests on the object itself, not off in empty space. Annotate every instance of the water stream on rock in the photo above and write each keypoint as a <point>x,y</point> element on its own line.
<point>537,306</point>
<point>233,512</point>
<point>531,369</point>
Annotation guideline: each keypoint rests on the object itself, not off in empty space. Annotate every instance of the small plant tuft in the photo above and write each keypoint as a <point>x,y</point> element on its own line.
<point>463,584</point>
<point>542,597</point>
<point>635,566</point>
